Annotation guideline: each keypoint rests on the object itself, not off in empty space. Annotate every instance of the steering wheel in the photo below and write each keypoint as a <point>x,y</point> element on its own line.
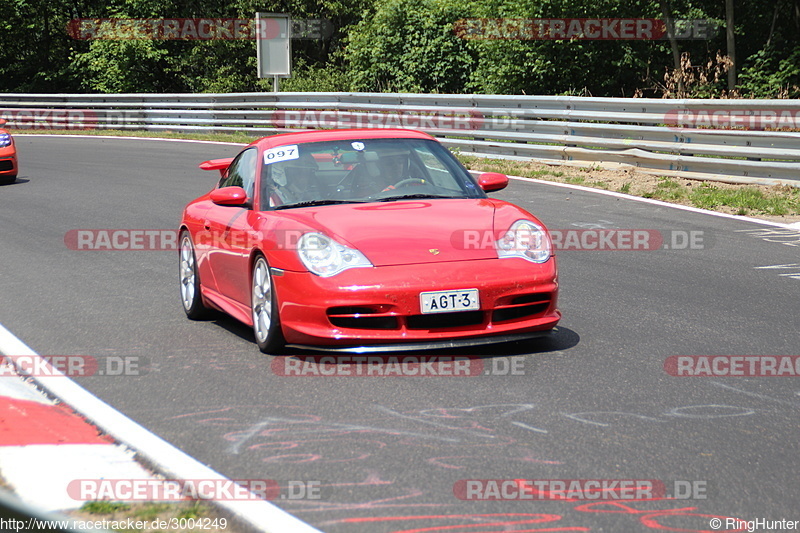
<point>409,181</point>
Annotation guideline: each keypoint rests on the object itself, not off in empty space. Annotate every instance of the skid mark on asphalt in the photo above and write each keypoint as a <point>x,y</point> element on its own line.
<point>756,395</point>
<point>795,267</point>
<point>789,237</point>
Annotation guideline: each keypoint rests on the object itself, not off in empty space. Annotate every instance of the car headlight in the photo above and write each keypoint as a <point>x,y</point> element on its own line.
<point>5,140</point>
<point>527,240</point>
<point>325,257</point>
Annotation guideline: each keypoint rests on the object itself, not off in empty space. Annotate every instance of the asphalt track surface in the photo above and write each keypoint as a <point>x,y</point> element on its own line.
<point>592,403</point>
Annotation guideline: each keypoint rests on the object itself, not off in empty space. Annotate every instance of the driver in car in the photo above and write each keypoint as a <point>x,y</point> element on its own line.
<point>395,169</point>
<point>298,182</point>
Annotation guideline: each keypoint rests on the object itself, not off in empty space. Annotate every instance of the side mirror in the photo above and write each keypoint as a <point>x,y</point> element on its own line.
<point>492,181</point>
<point>2,122</point>
<point>231,196</point>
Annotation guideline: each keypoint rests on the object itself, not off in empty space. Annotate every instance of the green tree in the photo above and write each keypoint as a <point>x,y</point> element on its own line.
<point>410,46</point>
<point>403,45</point>
<point>35,55</point>
<point>39,56</point>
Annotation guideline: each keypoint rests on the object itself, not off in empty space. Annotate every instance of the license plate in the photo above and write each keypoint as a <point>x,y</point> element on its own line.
<point>449,301</point>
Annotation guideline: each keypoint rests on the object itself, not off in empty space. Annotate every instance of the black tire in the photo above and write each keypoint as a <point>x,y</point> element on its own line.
<point>191,299</point>
<point>264,309</point>
<point>8,180</point>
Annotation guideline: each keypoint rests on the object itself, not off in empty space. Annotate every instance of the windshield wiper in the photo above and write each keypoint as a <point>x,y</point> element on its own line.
<point>410,196</point>
<point>318,202</point>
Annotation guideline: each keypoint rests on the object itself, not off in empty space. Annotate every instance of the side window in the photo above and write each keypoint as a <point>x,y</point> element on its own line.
<point>242,172</point>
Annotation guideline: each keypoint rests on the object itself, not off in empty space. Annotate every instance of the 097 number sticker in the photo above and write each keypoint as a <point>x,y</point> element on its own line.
<point>281,153</point>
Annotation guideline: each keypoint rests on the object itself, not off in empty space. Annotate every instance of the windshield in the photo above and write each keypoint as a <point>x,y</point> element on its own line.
<point>369,170</point>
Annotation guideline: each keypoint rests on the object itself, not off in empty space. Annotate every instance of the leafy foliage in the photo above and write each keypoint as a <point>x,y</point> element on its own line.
<point>581,67</point>
<point>772,73</point>
<point>409,46</point>
<point>405,45</point>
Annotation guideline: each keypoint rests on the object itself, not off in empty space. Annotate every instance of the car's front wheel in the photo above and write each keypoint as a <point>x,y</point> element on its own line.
<point>190,281</point>
<point>266,321</point>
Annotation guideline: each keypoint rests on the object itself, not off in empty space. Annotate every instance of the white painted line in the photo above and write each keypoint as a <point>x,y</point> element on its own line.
<point>14,386</point>
<point>162,456</point>
<point>659,202</point>
<point>789,265</point>
<point>611,165</point>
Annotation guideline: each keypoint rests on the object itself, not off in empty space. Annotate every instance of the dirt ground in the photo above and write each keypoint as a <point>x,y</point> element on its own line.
<point>637,183</point>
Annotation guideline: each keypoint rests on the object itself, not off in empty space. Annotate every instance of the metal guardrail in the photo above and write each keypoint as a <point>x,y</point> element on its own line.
<point>733,140</point>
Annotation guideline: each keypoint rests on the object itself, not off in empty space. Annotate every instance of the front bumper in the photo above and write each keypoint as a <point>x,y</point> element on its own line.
<point>8,160</point>
<point>381,305</point>
<point>8,166</point>
<point>429,345</point>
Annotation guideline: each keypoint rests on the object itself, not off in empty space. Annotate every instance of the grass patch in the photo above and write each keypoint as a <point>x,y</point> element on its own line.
<point>505,166</point>
<point>104,507</point>
<point>667,190</point>
<point>195,511</point>
<point>668,183</point>
<point>188,516</point>
<point>746,200</point>
<point>149,511</point>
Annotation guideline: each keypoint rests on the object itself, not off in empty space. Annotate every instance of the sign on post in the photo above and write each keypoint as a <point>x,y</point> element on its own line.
<point>273,45</point>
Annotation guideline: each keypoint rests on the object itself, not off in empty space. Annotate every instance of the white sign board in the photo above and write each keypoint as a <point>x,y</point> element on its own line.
<point>273,45</point>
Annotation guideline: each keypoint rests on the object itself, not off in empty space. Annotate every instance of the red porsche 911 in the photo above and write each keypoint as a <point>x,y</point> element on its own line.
<point>365,240</point>
<point>8,156</point>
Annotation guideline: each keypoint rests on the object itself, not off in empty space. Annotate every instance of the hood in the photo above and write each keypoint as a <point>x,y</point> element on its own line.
<point>412,231</point>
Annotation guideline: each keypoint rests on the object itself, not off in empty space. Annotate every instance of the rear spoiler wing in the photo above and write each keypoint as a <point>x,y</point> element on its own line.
<point>217,164</point>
